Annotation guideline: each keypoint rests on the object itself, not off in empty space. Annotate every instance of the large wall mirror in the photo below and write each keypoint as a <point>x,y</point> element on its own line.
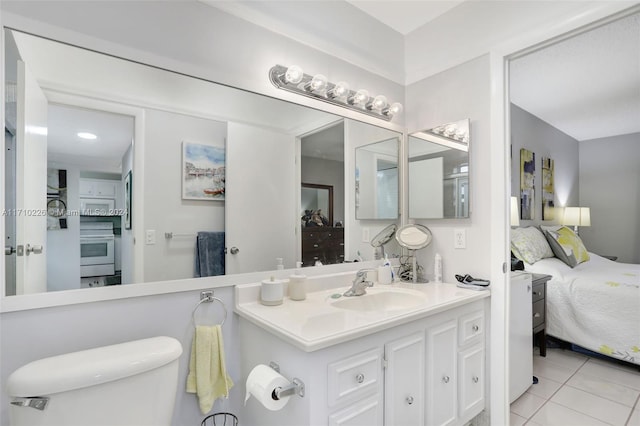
<point>439,172</point>
<point>117,171</point>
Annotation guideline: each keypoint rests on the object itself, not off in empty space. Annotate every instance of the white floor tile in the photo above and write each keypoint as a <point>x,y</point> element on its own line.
<point>545,368</point>
<point>635,418</point>
<point>566,358</point>
<point>594,406</point>
<point>552,414</point>
<point>526,405</point>
<point>544,388</point>
<point>631,368</point>
<point>516,420</point>
<point>606,372</point>
<point>604,388</point>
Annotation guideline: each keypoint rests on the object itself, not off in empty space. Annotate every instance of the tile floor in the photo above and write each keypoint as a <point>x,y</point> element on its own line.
<point>578,390</point>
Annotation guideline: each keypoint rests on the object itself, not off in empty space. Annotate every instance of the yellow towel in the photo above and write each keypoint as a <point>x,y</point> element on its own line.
<point>208,377</point>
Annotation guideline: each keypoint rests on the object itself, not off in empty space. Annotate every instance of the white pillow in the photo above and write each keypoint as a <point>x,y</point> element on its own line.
<point>529,245</point>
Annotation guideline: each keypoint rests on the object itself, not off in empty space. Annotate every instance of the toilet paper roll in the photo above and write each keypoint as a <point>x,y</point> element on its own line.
<point>261,383</point>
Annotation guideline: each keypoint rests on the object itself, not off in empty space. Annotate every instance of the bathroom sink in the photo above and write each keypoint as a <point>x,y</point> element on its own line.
<point>382,299</point>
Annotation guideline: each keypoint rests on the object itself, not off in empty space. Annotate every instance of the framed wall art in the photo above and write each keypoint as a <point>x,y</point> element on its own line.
<point>203,172</point>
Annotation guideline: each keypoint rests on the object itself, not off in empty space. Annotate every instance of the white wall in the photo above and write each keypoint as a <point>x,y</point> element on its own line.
<point>164,208</point>
<point>458,93</point>
<point>610,186</point>
<point>544,140</point>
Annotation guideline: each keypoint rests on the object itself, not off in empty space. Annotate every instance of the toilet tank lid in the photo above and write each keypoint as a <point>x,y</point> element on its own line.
<point>92,367</point>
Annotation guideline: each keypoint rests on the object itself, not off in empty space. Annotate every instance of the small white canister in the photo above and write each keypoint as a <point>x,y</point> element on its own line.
<point>272,292</point>
<point>298,286</point>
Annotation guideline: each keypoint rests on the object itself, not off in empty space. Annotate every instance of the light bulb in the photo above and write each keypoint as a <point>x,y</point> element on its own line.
<point>394,109</point>
<point>379,102</point>
<point>450,130</point>
<point>293,74</point>
<point>360,97</point>
<point>340,90</point>
<point>317,83</point>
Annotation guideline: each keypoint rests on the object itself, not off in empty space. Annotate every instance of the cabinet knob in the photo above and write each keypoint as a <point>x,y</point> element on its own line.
<point>360,378</point>
<point>445,379</point>
<point>475,379</point>
<point>475,327</point>
<point>315,246</point>
<point>409,400</point>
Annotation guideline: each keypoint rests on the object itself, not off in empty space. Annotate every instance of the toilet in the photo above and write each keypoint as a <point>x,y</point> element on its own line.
<point>132,383</point>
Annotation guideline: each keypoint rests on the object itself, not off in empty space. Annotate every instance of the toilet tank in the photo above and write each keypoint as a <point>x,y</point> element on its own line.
<point>132,383</point>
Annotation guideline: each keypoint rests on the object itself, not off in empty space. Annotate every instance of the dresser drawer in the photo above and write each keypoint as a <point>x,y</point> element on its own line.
<point>354,376</point>
<point>538,313</point>
<point>538,292</point>
<point>471,327</point>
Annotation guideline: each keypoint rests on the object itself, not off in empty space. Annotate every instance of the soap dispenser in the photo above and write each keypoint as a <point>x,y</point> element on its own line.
<point>298,284</point>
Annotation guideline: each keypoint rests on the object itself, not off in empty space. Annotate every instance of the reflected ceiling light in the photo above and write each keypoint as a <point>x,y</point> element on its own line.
<point>293,79</point>
<point>87,136</point>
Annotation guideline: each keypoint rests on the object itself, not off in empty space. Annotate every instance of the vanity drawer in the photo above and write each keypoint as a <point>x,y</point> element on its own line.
<point>471,326</point>
<point>538,313</point>
<point>538,292</point>
<point>354,376</point>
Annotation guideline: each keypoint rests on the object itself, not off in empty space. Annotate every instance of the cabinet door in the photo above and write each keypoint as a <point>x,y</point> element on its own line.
<point>105,189</point>
<point>367,412</point>
<point>87,188</point>
<point>404,381</point>
<point>442,374</point>
<point>471,383</point>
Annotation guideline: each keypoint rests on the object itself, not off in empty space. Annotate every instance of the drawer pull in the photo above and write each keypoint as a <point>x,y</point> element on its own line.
<point>536,315</point>
<point>360,378</point>
<point>409,400</point>
<point>315,246</point>
<point>475,379</point>
<point>445,379</point>
<point>475,328</point>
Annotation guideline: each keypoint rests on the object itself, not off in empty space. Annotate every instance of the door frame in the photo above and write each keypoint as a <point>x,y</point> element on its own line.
<point>499,58</point>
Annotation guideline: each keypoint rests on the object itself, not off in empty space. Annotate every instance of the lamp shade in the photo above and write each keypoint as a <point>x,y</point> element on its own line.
<point>577,216</point>
<point>515,212</point>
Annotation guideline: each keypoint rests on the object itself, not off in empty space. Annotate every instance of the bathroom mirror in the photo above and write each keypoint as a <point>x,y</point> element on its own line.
<point>377,180</point>
<point>439,172</point>
<point>176,132</point>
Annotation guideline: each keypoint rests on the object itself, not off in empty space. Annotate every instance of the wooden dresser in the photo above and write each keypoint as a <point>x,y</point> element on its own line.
<point>323,243</point>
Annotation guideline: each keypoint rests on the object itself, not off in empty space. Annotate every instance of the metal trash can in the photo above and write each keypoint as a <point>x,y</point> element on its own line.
<point>220,419</point>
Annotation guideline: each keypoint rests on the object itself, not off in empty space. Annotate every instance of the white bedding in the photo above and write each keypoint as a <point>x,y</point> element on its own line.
<point>595,305</point>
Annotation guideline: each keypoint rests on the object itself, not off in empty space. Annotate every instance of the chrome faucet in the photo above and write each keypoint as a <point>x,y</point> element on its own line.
<point>360,284</point>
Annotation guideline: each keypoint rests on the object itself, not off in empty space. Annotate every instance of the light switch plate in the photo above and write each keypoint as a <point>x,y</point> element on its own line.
<point>150,237</point>
<point>459,238</point>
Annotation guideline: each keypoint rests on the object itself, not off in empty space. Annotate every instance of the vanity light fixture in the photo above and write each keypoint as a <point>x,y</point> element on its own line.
<point>293,79</point>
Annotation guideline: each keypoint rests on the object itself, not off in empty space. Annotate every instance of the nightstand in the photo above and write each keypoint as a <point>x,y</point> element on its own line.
<point>538,298</point>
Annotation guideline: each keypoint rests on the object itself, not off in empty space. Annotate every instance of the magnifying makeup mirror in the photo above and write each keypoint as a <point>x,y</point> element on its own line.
<point>412,237</point>
<point>382,238</point>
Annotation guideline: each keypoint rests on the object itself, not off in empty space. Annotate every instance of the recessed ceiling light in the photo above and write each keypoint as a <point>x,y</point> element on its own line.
<point>87,136</point>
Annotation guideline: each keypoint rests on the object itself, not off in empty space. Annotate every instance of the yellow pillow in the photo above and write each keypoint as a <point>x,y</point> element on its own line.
<point>566,245</point>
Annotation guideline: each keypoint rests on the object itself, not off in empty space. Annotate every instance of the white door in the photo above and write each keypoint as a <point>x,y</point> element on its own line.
<point>260,199</point>
<point>404,381</point>
<point>31,185</point>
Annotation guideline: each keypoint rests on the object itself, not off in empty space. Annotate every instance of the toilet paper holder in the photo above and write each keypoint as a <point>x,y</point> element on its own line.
<point>295,387</point>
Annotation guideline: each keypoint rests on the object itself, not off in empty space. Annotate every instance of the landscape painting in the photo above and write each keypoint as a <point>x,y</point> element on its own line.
<point>203,172</point>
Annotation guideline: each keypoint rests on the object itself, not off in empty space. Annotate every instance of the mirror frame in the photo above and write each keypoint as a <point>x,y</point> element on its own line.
<point>80,296</point>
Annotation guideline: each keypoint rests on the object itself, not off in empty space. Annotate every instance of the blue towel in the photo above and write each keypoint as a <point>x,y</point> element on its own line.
<point>209,254</point>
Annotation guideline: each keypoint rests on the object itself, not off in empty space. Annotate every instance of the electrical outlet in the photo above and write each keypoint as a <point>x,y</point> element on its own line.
<point>150,237</point>
<point>459,238</point>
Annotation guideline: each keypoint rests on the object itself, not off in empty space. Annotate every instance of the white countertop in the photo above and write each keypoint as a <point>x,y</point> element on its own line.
<point>314,323</point>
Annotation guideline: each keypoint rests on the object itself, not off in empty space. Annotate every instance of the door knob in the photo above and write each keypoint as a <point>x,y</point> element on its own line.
<point>9,250</point>
<point>234,250</point>
<point>409,400</point>
<point>33,249</point>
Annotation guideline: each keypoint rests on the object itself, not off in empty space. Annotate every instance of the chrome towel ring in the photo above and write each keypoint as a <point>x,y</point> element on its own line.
<point>207,296</point>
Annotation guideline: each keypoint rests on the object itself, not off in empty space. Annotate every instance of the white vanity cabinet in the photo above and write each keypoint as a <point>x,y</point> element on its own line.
<point>428,371</point>
<point>98,188</point>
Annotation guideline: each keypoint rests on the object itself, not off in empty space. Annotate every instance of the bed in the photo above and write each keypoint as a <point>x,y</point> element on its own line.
<point>595,304</point>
